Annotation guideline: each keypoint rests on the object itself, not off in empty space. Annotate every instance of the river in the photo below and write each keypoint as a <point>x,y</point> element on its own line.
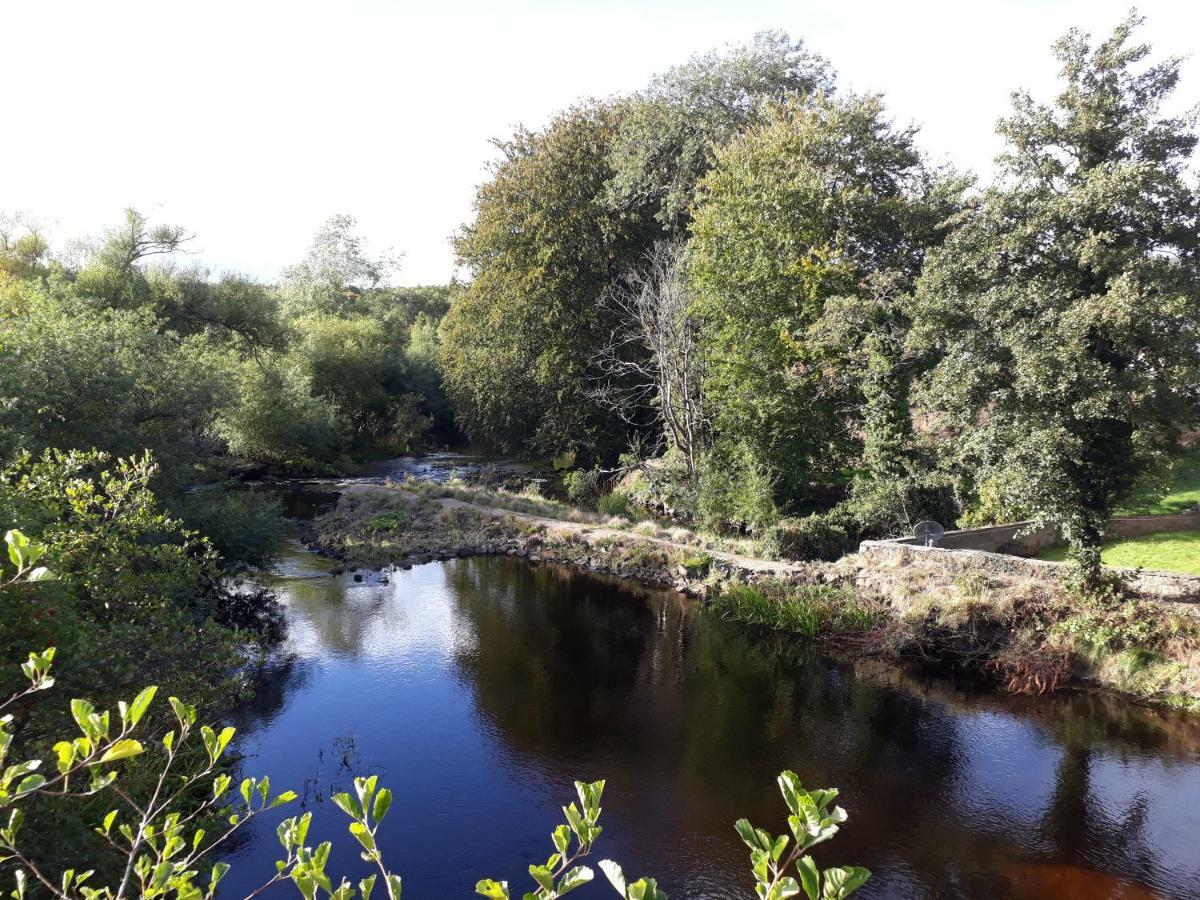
<point>479,689</point>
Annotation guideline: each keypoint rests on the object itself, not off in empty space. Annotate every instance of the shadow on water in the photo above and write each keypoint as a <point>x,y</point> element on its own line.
<point>478,689</point>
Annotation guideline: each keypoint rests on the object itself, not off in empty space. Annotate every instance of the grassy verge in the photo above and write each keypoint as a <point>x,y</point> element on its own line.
<point>1171,551</point>
<point>1183,490</point>
<point>813,610</point>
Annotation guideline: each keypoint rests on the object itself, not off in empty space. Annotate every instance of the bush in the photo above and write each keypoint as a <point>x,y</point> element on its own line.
<point>614,504</point>
<point>243,525</point>
<point>582,486</point>
<point>276,419</point>
<point>737,492</point>
<point>826,536</point>
<point>891,507</point>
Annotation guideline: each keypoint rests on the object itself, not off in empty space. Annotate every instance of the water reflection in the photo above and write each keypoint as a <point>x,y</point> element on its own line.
<point>480,688</point>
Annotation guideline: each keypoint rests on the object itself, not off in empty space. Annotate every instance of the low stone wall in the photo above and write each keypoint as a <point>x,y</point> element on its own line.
<point>1023,539</point>
<point>1014,537</point>
<point>1171,587</point>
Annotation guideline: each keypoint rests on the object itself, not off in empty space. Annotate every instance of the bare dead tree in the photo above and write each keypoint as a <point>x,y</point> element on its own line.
<point>652,360</point>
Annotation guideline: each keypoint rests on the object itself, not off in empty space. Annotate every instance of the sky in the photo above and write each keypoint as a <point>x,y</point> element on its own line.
<point>252,122</point>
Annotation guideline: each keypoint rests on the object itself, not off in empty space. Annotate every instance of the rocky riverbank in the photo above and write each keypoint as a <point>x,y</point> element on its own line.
<point>1029,636</point>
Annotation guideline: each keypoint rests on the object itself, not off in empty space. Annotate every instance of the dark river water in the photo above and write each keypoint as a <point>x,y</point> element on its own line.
<point>478,690</point>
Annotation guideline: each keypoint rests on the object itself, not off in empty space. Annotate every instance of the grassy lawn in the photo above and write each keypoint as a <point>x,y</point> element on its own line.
<point>1173,551</point>
<point>1183,491</point>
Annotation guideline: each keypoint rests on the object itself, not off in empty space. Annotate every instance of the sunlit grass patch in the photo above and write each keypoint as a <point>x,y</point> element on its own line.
<point>1183,490</point>
<point>1171,551</point>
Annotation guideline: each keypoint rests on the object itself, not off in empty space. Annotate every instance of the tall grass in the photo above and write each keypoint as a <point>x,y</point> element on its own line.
<point>808,610</point>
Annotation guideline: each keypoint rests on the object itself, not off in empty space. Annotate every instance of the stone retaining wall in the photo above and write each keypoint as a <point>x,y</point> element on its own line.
<point>1018,538</point>
<point>1172,587</point>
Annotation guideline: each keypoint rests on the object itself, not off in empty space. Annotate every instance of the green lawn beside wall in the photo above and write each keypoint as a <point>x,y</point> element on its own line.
<point>1172,551</point>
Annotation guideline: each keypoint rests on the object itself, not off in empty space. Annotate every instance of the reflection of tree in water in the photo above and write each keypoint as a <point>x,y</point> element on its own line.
<point>339,613</point>
<point>690,718</point>
<point>550,656</point>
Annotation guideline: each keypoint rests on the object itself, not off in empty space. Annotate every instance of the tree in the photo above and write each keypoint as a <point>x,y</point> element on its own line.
<point>115,271</point>
<point>336,271</point>
<point>652,361</point>
<point>78,377</point>
<point>808,207</point>
<point>669,134</point>
<point>1065,306</point>
<point>520,338</point>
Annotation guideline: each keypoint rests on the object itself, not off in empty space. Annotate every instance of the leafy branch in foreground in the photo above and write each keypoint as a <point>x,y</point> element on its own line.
<point>159,834</point>
<point>811,822</point>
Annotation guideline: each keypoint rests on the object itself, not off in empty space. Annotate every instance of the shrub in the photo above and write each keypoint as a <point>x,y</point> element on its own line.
<point>614,504</point>
<point>891,507</point>
<point>826,536</point>
<point>736,492</point>
<point>243,525</point>
<point>582,486</point>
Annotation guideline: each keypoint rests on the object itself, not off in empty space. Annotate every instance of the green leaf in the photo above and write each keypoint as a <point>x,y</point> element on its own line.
<point>122,749</point>
<point>544,877</point>
<point>496,890</point>
<point>575,878</point>
<point>810,877</point>
<point>140,704</point>
<point>613,873</point>
<point>842,882</point>
<point>348,805</point>
<point>17,546</point>
<point>383,802</point>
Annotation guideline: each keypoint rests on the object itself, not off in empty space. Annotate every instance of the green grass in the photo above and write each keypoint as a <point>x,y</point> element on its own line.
<point>809,610</point>
<point>1172,551</point>
<point>1183,490</point>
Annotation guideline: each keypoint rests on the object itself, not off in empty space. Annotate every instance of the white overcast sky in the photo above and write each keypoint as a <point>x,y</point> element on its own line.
<point>251,122</point>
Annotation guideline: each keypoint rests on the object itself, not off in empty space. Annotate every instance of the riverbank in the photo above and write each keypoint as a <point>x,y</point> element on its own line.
<point>1027,636</point>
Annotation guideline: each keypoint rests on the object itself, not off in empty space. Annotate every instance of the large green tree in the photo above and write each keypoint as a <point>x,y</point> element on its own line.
<point>1066,308</point>
<point>812,206</point>
<point>669,134</point>
<point>519,340</point>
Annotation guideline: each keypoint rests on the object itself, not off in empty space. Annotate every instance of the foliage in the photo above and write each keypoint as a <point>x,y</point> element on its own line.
<point>850,198</point>
<point>277,419</point>
<point>827,535</point>
<point>335,273</point>
<point>78,377</point>
<point>243,526</point>
<point>669,132</point>
<point>519,338</point>
<point>1063,306</point>
<point>736,491</point>
<point>811,822</point>
<point>136,593</point>
<point>583,486</point>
